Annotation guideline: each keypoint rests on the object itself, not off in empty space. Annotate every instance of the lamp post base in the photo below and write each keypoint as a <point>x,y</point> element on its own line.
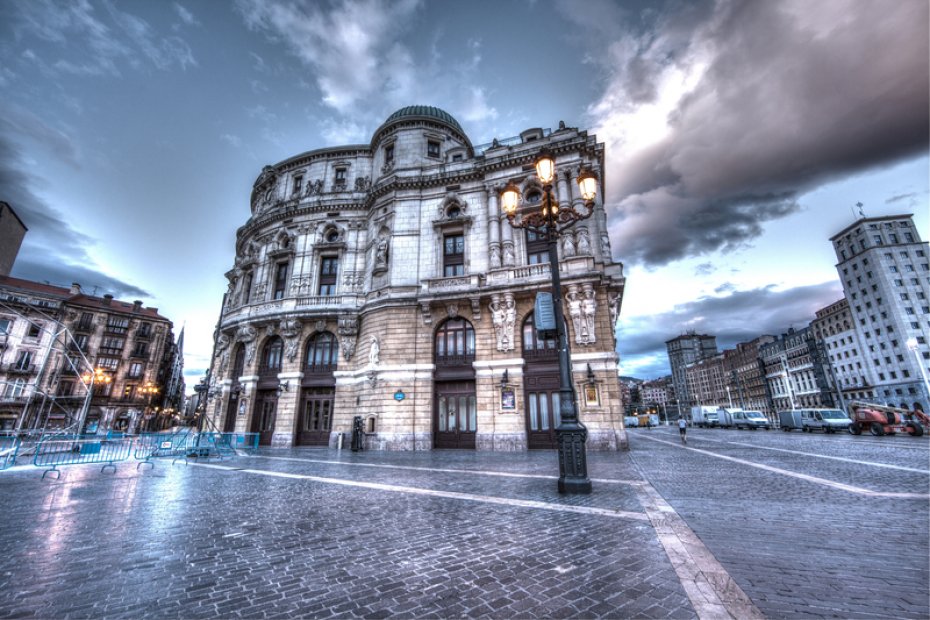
<point>573,462</point>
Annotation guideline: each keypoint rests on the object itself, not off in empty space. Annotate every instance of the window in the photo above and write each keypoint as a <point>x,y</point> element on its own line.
<point>135,370</point>
<point>298,184</point>
<point>112,345</point>
<point>128,392</point>
<point>456,157</point>
<point>432,148</point>
<point>537,248</point>
<point>887,255</point>
<point>65,388</point>
<point>144,331</point>
<point>909,237</point>
<point>322,352</point>
<point>899,282</point>
<point>280,280</point>
<point>4,326</point>
<point>893,237</point>
<point>23,360</point>
<point>87,322</point>
<point>14,389</point>
<point>79,343</point>
<point>904,296</point>
<point>271,359</point>
<point>117,325</point>
<point>247,288</point>
<point>877,239</point>
<point>340,176</point>
<point>107,363</point>
<point>329,268</point>
<point>455,339</point>
<point>908,267</point>
<point>389,154</point>
<point>893,269</point>
<point>140,350</point>
<point>453,255</point>
<point>34,330</point>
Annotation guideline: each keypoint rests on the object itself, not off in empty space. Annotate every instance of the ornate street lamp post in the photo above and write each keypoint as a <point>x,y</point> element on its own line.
<point>548,221</point>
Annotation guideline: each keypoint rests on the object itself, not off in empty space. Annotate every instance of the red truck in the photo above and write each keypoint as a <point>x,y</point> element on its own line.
<point>884,420</point>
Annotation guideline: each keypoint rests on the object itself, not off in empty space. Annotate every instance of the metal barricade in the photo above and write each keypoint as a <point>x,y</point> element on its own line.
<point>243,441</point>
<point>160,445</point>
<point>8,448</point>
<point>51,453</point>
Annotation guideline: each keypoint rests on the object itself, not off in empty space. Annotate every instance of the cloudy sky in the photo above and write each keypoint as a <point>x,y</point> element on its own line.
<point>739,134</point>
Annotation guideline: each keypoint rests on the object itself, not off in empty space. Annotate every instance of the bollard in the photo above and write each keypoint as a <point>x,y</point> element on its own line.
<point>357,433</point>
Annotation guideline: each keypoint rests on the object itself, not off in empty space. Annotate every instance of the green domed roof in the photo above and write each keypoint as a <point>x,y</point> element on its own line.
<point>425,110</point>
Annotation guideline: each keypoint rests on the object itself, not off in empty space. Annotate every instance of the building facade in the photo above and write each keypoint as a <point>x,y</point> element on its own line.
<point>885,270</point>
<point>851,371</point>
<point>58,338</point>
<point>381,281</point>
<point>682,351</point>
<point>797,372</point>
<point>12,231</point>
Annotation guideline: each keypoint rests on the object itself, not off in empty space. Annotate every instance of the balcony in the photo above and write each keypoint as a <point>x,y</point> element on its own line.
<point>456,283</point>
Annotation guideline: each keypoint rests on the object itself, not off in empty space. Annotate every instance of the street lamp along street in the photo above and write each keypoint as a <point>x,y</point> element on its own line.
<point>548,220</point>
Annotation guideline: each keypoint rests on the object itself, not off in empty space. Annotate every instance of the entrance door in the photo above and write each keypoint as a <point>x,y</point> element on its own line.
<point>266,408</point>
<point>542,411</point>
<point>316,417</point>
<point>232,409</point>
<point>456,415</point>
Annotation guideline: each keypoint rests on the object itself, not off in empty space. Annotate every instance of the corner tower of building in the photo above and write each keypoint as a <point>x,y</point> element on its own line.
<point>381,281</point>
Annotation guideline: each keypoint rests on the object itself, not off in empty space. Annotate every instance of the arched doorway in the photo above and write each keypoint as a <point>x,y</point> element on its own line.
<point>455,413</point>
<point>318,390</point>
<point>232,403</point>
<point>540,387</point>
<point>265,412</point>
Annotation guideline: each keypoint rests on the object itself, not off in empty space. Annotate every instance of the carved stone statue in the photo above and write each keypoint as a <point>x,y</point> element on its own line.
<point>584,242</point>
<point>508,256</point>
<point>497,319</point>
<point>574,311</point>
<point>510,320</point>
<point>613,301</point>
<point>605,246</point>
<point>374,352</point>
<point>362,184</point>
<point>381,253</point>
<point>247,335</point>
<point>568,245</point>
<point>495,256</point>
<point>589,309</point>
<point>348,331</point>
<point>290,330</point>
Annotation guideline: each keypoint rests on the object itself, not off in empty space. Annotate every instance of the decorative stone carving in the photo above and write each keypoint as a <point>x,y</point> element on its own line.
<point>497,319</point>
<point>426,313</point>
<point>588,310</point>
<point>568,245</point>
<point>348,331</point>
<point>362,184</point>
<point>475,308</point>
<point>314,188</point>
<point>605,246</point>
<point>290,330</point>
<point>509,258</point>
<point>452,310</point>
<point>503,317</point>
<point>247,334</point>
<point>575,312</point>
<point>381,254</point>
<point>374,352</point>
<point>510,320</point>
<point>270,329</point>
<point>495,256</point>
<point>613,302</point>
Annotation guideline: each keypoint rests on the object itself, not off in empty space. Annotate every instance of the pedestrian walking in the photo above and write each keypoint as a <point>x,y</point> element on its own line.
<point>683,430</point>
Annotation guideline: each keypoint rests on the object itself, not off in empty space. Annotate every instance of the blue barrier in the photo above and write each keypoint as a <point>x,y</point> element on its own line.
<point>243,441</point>
<point>51,453</point>
<point>161,445</point>
<point>8,448</point>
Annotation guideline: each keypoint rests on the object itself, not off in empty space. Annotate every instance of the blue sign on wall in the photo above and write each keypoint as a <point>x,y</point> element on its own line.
<point>399,395</point>
<point>544,313</point>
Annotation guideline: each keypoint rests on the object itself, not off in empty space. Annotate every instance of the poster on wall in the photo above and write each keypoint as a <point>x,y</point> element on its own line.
<point>508,399</point>
<point>590,395</point>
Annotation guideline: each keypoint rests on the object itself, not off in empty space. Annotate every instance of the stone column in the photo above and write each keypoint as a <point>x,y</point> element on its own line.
<point>494,226</point>
<point>573,196</point>
<point>507,246</point>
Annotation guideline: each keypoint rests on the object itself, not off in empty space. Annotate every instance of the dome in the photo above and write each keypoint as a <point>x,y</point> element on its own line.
<point>424,111</point>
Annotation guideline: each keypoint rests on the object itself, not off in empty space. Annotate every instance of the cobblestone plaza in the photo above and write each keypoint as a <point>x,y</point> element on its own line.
<point>733,525</point>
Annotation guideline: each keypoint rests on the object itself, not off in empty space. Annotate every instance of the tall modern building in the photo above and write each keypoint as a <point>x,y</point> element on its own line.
<point>885,271</point>
<point>682,351</point>
<point>382,281</point>
<point>852,372</point>
<point>12,231</point>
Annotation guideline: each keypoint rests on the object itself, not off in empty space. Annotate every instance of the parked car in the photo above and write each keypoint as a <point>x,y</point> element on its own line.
<point>631,421</point>
<point>750,419</point>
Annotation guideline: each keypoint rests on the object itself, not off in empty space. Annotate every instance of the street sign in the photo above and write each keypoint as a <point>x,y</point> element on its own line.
<point>399,395</point>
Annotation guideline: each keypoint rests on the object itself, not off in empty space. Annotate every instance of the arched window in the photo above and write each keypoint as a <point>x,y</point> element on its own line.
<point>455,342</point>
<point>271,356</point>
<point>238,363</point>
<point>322,352</point>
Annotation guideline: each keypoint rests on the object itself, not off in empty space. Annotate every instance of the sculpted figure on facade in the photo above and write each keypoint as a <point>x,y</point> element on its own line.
<point>508,256</point>
<point>374,352</point>
<point>381,253</point>
<point>222,348</point>
<point>589,309</point>
<point>568,245</point>
<point>613,302</point>
<point>574,311</point>
<point>362,184</point>
<point>497,319</point>
<point>584,242</point>
<point>605,245</point>
<point>495,253</point>
<point>247,335</point>
<point>510,320</point>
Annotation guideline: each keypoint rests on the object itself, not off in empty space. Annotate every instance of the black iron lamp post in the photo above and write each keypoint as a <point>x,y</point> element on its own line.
<point>549,220</point>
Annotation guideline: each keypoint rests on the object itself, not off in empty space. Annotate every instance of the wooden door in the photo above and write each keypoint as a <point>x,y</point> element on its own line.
<point>455,418</point>
<point>263,420</point>
<point>316,417</point>
<point>542,410</point>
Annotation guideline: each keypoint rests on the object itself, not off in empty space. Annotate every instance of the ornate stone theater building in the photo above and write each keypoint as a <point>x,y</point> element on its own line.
<point>381,280</point>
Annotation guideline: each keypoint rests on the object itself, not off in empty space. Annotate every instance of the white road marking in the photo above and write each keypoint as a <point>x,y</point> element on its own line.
<point>486,499</point>
<point>503,474</point>
<point>824,456</point>
<point>785,472</point>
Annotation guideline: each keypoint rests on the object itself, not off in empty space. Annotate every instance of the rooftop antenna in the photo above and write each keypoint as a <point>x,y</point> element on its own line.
<point>861,214</point>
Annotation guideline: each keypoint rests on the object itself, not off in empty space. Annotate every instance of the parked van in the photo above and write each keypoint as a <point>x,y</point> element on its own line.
<point>809,420</point>
<point>704,416</point>
<point>631,421</point>
<point>750,419</point>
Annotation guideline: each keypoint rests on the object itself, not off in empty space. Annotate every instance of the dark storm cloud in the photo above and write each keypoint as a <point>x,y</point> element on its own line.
<point>779,98</point>
<point>737,317</point>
